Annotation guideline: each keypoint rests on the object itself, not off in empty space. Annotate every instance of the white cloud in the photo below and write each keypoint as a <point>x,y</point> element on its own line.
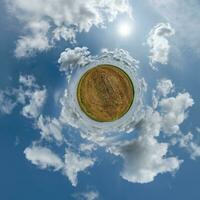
<point>73,57</point>
<point>43,157</point>
<point>74,164</point>
<point>158,43</point>
<point>50,128</point>
<point>174,111</point>
<point>60,19</point>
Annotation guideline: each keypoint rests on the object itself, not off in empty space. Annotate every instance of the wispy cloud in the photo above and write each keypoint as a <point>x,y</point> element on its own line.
<point>29,95</point>
<point>49,128</point>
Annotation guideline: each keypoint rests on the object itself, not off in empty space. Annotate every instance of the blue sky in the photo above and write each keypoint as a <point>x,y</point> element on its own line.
<point>49,153</point>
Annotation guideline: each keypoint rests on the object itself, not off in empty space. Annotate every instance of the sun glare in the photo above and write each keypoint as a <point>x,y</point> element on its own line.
<point>124,29</point>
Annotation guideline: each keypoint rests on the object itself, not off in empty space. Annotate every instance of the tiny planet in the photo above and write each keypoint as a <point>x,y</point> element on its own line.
<point>105,93</point>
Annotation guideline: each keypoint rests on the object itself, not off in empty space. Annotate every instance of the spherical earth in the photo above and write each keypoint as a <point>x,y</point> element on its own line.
<point>105,93</point>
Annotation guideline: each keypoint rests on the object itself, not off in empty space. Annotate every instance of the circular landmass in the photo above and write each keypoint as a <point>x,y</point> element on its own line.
<point>105,93</point>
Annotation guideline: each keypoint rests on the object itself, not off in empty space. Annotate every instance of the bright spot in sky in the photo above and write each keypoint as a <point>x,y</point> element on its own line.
<point>124,29</point>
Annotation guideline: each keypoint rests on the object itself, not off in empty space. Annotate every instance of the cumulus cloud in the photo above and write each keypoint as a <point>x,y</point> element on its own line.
<point>74,164</point>
<point>71,58</point>
<point>43,157</point>
<point>158,43</point>
<point>174,111</point>
<point>49,20</point>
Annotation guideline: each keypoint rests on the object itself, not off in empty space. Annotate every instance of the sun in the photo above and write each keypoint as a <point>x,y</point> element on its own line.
<point>124,29</point>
